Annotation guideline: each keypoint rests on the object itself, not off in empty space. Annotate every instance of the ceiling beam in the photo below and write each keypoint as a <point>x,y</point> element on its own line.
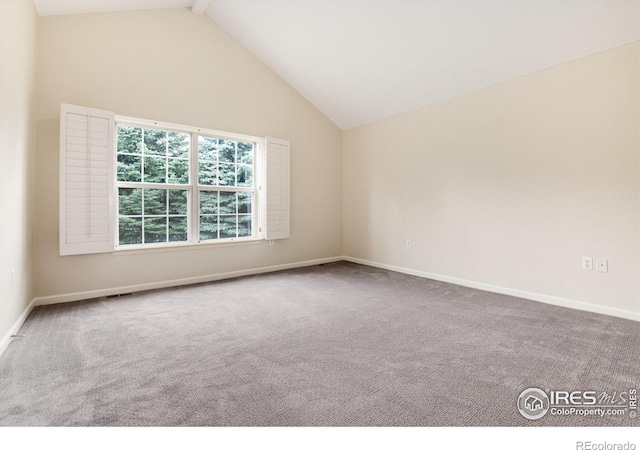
<point>200,6</point>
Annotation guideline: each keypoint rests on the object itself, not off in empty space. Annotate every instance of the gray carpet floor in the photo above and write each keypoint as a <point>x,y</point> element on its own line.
<point>333,345</point>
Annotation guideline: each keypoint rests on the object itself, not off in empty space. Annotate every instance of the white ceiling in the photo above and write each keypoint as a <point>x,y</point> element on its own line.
<point>362,60</point>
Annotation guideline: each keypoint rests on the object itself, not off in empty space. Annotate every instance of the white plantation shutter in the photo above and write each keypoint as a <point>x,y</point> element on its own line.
<point>86,173</point>
<point>277,213</point>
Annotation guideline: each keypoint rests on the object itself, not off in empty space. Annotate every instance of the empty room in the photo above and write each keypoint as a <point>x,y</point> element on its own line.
<point>319,213</point>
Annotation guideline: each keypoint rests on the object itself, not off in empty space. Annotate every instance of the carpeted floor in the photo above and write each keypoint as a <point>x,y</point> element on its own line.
<point>339,344</point>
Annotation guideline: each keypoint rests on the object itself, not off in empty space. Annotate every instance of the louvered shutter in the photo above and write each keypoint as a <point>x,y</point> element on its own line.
<point>277,214</point>
<point>86,180</point>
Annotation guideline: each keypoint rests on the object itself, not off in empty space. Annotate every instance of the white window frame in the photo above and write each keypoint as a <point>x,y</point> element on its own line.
<point>193,188</point>
<point>88,188</point>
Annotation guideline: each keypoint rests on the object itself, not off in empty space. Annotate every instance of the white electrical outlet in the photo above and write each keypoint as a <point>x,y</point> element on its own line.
<point>603,265</point>
<point>407,243</point>
<point>271,242</point>
<point>587,263</point>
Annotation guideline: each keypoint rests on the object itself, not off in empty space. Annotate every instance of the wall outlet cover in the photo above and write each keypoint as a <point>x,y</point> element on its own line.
<point>603,265</point>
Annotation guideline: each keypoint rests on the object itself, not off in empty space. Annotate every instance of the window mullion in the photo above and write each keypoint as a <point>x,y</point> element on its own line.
<point>138,185</point>
<point>143,217</point>
<point>142,156</point>
<point>235,164</point>
<point>194,205</point>
<point>166,205</point>
<point>226,188</point>
<point>166,158</point>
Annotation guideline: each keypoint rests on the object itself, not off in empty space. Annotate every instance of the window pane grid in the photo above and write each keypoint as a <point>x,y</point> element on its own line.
<point>224,162</point>
<point>152,215</point>
<point>153,155</point>
<point>225,215</point>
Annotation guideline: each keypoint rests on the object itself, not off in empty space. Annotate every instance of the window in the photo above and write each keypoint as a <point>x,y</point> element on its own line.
<point>226,188</point>
<point>131,183</point>
<point>162,172</point>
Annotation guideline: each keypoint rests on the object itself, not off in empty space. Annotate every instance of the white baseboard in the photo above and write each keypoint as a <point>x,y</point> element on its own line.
<point>85,295</point>
<point>551,300</point>
<point>6,339</point>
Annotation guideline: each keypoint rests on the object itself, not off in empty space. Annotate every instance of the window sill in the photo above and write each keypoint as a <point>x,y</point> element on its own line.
<point>182,246</point>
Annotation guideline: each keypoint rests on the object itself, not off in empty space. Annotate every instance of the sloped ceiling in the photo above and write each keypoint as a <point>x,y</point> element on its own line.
<point>362,60</point>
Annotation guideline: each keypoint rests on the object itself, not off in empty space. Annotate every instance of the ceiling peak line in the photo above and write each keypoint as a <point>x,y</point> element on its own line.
<point>200,6</point>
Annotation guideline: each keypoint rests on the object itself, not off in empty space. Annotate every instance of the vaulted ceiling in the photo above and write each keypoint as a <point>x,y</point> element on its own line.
<point>362,60</point>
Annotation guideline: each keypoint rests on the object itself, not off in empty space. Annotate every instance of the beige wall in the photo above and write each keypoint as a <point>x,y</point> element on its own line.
<point>174,66</point>
<point>18,27</point>
<point>509,185</point>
